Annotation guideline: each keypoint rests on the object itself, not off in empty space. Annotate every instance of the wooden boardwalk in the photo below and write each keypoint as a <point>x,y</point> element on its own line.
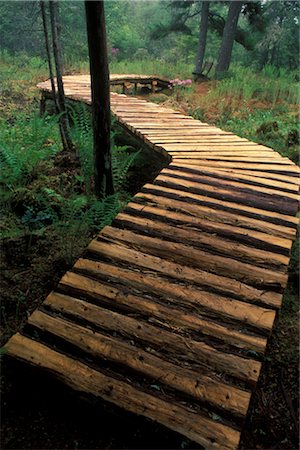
<point>168,312</point>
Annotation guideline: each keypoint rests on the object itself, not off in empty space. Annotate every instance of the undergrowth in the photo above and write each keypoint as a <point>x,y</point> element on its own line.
<point>42,187</point>
<point>271,85</point>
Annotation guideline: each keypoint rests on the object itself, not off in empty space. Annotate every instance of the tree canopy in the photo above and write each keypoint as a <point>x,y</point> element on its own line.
<point>267,32</point>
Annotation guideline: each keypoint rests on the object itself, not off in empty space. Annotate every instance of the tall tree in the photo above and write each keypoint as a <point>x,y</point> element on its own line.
<point>279,44</point>
<point>228,37</point>
<point>202,38</point>
<point>96,31</point>
<point>49,60</point>
<point>184,12</point>
<point>48,50</point>
<point>63,118</point>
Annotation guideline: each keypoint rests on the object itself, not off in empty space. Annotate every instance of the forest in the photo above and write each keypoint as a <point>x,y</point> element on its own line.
<point>229,64</point>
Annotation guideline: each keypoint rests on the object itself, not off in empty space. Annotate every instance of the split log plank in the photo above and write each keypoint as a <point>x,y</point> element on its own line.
<point>192,383</point>
<point>80,377</point>
<point>210,210</point>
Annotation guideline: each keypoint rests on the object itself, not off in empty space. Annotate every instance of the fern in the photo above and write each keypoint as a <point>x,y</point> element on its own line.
<point>102,213</point>
<point>11,167</point>
<point>24,146</point>
<point>122,158</point>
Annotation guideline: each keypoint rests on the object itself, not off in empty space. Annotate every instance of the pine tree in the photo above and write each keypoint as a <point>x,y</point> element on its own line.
<point>202,39</point>
<point>228,37</point>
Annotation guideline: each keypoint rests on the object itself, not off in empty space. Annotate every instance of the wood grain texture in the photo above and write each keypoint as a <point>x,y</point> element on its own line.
<point>81,377</point>
<point>181,291</point>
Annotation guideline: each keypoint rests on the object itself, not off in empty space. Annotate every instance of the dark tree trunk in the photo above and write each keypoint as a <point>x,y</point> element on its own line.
<point>64,122</point>
<point>47,45</point>
<point>96,32</point>
<point>228,37</point>
<point>202,39</point>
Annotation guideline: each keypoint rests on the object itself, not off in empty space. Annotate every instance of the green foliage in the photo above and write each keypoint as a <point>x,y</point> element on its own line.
<point>122,156</point>
<point>25,146</point>
<point>243,83</point>
<point>83,139</point>
<point>158,67</point>
<point>270,29</point>
<point>37,195</point>
<point>83,216</point>
<point>18,77</point>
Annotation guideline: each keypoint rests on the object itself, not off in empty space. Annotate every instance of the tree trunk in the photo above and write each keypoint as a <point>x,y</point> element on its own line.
<point>47,45</point>
<point>48,52</point>
<point>228,37</point>
<point>96,32</point>
<point>64,122</point>
<point>202,39</point>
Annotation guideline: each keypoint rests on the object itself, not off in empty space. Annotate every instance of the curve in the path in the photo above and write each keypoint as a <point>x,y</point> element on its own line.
<point>169,311</point>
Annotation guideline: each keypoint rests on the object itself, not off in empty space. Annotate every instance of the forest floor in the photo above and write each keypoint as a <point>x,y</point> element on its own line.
<point>40,413</point>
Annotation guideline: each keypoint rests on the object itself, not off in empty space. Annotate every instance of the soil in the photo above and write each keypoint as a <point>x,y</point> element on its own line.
<point>38,412</point>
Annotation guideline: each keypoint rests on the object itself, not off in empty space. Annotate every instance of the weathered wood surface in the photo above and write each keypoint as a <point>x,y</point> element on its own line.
<point>124,80</point>
<point>168,312</point>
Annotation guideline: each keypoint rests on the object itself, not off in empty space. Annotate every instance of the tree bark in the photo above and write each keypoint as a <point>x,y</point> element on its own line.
<point>47,45</point>
<point>228,37</point>
<point>95,21</point>
<point>63,120</point>
<point>202,39</point>
<point>48,52</point>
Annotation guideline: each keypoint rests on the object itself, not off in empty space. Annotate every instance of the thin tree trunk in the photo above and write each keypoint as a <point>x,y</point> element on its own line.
<point>202,39</point>
<point>95,21</point>
<point>228,37</point>
<point>47,45</point>
<point>48,52</point>
<point>64,122</point>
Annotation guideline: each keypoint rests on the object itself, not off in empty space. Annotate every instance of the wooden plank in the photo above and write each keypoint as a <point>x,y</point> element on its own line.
<point>224,154</point>
<point>264,201</point>
<point>80,377</point>
<point>272,204</point>
<point>178,215</point>
<point>232,158</point>
<point>199,146</point>
<point>177,343</point>
<point>201,138</point>
<point>223,148</point>
<point>202,240</point>
<point>255,276</point>
<point>238,176</point>
<point>191,382</point>
<point>221,211</point>
<point>127,254</point>
<point>276,168</point>
<point>204,302</point>
<point>221,180</point>
<point>266,175</point>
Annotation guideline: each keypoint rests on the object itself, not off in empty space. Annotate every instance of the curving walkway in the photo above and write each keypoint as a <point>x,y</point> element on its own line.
<point>168,312</point>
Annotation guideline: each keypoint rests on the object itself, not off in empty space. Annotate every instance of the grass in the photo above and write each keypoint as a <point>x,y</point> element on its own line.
<point>271,85</point>
<point>18,78</point>
<point>152,67</point>
<point>275,128</point>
